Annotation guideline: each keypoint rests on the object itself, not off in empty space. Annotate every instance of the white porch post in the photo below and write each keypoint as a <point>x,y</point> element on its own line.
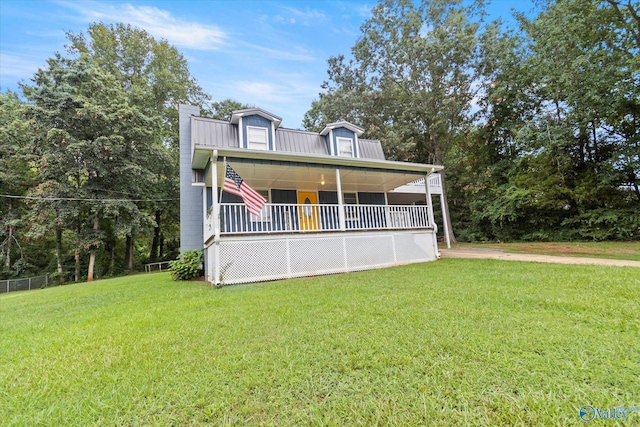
<point>215,214</point>
<point>444,220</point>
<point>432,220</point>
<point>341,215</point>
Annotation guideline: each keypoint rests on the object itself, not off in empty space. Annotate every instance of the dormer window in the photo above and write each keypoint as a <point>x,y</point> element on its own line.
<point>345,147</point>
<point>257,138</point>
<point>342,139</point>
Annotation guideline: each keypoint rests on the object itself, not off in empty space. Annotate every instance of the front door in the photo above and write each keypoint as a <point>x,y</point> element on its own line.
<point>308,211</point>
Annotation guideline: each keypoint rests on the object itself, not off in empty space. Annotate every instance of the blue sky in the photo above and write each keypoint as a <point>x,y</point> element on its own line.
<point>268,54</point>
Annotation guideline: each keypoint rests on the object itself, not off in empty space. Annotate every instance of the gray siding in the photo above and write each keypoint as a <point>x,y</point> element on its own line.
<point>296,141</point>
<point>214,133</point>
<point>370,149</point>
<point>191,221</point>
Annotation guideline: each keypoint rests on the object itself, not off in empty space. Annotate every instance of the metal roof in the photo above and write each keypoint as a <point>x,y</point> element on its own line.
<point>297,141</point>
<point>213,133</point>
<point>370,149</point>
<point>219,133</point>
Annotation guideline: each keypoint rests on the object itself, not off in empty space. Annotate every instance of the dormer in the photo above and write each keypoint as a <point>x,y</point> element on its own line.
<point>256,128</point>
<point>342,139</point>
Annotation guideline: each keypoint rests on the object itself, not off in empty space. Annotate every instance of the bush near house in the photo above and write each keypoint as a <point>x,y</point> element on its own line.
<point>188,266</point>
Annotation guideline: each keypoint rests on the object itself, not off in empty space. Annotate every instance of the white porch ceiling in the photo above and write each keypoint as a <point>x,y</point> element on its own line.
<point>296,177</point>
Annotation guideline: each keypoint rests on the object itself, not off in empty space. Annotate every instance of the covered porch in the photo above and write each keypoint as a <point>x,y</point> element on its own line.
<point>324,215</point>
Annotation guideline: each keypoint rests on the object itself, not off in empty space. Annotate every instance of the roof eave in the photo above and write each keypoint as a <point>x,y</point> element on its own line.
<point>202,154</point>
<point>235,115</point>
<point>343,124</point>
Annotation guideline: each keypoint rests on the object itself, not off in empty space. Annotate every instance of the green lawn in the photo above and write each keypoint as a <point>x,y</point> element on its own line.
<point>453,342</point>
<point>613,250</point>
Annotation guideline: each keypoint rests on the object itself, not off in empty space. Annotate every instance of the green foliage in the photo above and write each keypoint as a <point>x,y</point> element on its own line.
<point>222,110</point>
<point>16,176</point>
<point>607,224</point>
<point>188,266</point>
<point>550,150</point>
<point>101,123</point>
<point>447,343</point>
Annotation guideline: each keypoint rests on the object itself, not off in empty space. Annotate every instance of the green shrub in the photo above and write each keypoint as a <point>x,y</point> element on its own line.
<point>187,266</point>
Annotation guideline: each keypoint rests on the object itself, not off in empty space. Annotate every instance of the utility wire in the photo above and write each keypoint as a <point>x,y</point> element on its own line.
<point>74,199</point>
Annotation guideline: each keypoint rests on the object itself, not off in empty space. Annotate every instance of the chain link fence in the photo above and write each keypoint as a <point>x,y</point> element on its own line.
<point>27,284</point>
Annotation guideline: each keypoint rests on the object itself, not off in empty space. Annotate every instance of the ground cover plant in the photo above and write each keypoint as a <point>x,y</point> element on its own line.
<point>613,250</point>
<point>453,342</point>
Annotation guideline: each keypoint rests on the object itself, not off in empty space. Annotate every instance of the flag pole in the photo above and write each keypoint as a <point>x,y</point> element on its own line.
<point>224,175</point>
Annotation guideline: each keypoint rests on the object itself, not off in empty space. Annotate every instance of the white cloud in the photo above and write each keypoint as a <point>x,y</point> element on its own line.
<point>281,54</point>
<point>305,17</point>
<point>363,11</point>
<point>16,66</point>
<point>158,22</point>
<point>261,92</point>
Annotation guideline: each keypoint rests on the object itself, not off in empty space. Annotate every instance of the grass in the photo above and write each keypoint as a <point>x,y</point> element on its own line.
<point>454,342</point>
<point>613,250</point>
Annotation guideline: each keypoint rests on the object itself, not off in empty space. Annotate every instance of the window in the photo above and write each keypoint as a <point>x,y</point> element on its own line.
<point>350,212</point>
<point>345,147</point>
<point>350,198</point>
<point>257,138</point>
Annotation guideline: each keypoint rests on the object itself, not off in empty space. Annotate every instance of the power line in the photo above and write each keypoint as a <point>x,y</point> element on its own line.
<point>75,199</point>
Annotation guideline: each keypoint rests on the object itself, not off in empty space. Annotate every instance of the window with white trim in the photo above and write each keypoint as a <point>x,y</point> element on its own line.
<point>257,138</point>
<point>345,147</point>
<point>351,212</point>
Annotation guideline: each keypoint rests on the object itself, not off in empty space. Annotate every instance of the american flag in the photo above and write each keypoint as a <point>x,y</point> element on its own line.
<point>235,185</point>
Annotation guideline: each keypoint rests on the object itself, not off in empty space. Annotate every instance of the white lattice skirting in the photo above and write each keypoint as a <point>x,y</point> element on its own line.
<point>245,259</point>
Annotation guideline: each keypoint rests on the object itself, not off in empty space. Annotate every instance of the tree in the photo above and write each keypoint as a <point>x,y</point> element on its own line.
<point>412,80</point>
<point>555,154</point>
<point>222,110</point>
<point>92,144</point>
<point>585,56</point>
<point>157,78</point>
<point>15,178</point>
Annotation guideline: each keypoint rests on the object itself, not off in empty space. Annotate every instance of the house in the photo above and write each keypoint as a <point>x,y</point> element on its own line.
<point>334,203</point>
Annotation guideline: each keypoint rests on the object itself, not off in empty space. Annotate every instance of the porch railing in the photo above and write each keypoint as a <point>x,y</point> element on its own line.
<point>276,218</point>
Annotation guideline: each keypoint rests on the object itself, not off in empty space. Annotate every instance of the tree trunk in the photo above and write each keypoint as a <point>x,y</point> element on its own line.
<point>153,256</point>
<point>161,248</point>
<point>7,262</point>
<point>76,255</point>
<point>59,254</point>
<point>92,254</point>
<point>112,264</point>
<point>129,252</point>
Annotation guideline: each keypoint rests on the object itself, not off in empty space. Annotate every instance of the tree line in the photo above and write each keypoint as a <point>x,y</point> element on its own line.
<point>538,126</point>
<point>89,167</point>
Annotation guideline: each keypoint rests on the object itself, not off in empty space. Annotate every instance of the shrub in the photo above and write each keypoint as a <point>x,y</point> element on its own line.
<point>187,266</point>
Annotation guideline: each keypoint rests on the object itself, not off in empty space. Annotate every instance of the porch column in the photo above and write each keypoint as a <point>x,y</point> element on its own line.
<point>444,220</point>
<point>215,217</point>
<point>341,215</point>
<point>432,220</point>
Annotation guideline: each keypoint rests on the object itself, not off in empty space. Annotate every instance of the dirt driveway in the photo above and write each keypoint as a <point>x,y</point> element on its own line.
<point>497,254</point>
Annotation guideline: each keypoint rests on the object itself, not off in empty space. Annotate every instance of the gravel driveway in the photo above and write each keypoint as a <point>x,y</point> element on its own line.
<point>497,254</point>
